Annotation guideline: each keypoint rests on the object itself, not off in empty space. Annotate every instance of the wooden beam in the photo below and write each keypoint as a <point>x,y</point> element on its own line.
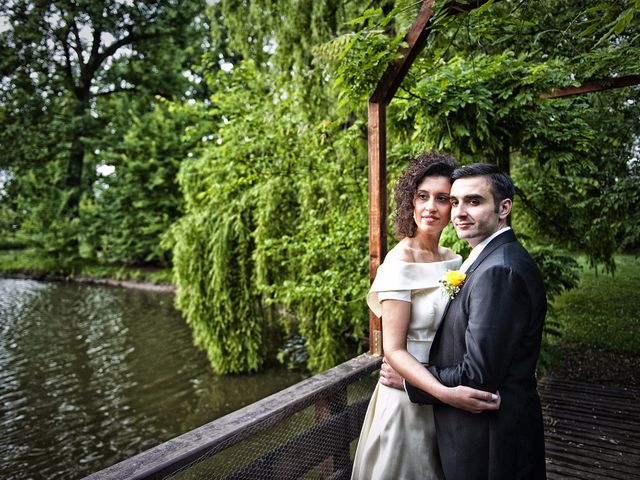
<point>377,207</point>
<point>453,8</point>
<point>415,39</point>
<point>595,86</point>
<point>397,70</point>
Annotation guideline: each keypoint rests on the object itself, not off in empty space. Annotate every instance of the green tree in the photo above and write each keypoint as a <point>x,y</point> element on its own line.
<point>275,205</point>
<point>269,222</point>
<point>131,209</point>
<point>61,63</point>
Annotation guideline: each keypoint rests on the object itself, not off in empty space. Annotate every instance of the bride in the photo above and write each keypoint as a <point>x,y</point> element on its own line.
<point>398,439</point>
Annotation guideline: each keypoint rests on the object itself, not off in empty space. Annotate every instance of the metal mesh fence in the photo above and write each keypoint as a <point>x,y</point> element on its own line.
<point>318,441</point>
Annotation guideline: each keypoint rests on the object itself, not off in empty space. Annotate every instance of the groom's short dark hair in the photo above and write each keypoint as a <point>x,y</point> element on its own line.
<point>501,183</point>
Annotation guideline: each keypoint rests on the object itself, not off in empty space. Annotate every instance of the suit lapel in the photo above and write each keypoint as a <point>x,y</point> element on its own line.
<point>500,240</point>
<point>436,338</point>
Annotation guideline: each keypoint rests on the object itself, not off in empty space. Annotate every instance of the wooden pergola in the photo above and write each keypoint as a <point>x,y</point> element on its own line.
<point>377,140</point>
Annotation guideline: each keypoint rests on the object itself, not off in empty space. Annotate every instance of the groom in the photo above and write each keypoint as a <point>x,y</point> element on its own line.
<point>489,339</point>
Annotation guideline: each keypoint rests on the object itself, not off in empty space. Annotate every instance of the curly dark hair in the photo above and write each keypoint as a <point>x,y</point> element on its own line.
<point>429,164</point>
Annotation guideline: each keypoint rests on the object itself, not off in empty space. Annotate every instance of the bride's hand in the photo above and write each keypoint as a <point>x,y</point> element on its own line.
<point>472,400</point>
<point>389,377</point>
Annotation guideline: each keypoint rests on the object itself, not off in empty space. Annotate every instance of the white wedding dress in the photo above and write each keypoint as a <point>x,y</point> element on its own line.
<point>398,438</point>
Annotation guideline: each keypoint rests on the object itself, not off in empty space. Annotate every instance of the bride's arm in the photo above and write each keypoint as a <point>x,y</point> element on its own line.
<point>396,315</point>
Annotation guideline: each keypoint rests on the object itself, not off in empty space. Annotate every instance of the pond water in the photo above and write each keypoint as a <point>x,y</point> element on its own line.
<point>91,375</point>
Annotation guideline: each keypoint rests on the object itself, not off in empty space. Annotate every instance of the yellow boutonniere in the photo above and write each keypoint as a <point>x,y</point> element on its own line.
<point>452,282</point>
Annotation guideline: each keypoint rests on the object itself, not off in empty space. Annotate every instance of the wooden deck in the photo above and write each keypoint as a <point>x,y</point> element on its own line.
<point>592,432</point>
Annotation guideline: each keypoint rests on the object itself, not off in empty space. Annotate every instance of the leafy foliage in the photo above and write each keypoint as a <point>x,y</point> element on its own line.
<point>370,50</point>
<point>478,91</point>
<point>268,225</point>
<point>134,206</point>
<point>62,65</point>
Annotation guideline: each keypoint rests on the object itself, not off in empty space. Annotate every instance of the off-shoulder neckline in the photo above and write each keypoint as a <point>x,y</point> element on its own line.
<point>392,260</point>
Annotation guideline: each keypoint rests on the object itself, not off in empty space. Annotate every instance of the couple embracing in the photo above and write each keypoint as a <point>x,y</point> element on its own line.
<point>461,339</point>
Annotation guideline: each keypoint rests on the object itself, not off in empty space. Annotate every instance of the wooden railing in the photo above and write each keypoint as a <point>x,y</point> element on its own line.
<point>308,427</point>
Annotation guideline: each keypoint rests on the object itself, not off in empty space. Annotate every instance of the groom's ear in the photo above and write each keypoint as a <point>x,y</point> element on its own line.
<point>504,209</point>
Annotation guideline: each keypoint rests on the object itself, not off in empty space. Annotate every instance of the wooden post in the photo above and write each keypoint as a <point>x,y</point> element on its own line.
<point>377,136</point>
<point>377,207</point>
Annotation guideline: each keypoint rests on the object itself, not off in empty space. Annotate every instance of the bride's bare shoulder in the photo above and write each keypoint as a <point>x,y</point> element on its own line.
<point>401,252</point>
<point>447,253</point>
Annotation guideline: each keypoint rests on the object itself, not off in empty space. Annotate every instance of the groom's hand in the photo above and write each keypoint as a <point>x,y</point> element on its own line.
<point>389,377</point>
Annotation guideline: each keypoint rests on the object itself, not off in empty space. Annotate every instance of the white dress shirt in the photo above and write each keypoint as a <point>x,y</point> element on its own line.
<point>475,252</point>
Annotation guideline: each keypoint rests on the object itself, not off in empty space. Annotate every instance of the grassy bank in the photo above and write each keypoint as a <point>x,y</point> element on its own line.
<point>33,264</point>
<point>604,312</point>
<point>600,323</point>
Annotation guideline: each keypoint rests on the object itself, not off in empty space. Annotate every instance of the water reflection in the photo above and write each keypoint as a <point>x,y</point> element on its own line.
<point>91,375</point>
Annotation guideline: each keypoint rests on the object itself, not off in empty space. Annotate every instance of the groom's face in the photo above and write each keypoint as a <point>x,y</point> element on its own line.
<point>473,210</point>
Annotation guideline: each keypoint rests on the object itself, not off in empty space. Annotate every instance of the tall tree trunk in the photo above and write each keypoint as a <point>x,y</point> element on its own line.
<point>504,159</point>
<point>75,167</point>
<point>504,164</point>
<point>73,181</point>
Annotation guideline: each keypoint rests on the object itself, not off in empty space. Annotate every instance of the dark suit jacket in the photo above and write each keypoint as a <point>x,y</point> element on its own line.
<point>489,339</point>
